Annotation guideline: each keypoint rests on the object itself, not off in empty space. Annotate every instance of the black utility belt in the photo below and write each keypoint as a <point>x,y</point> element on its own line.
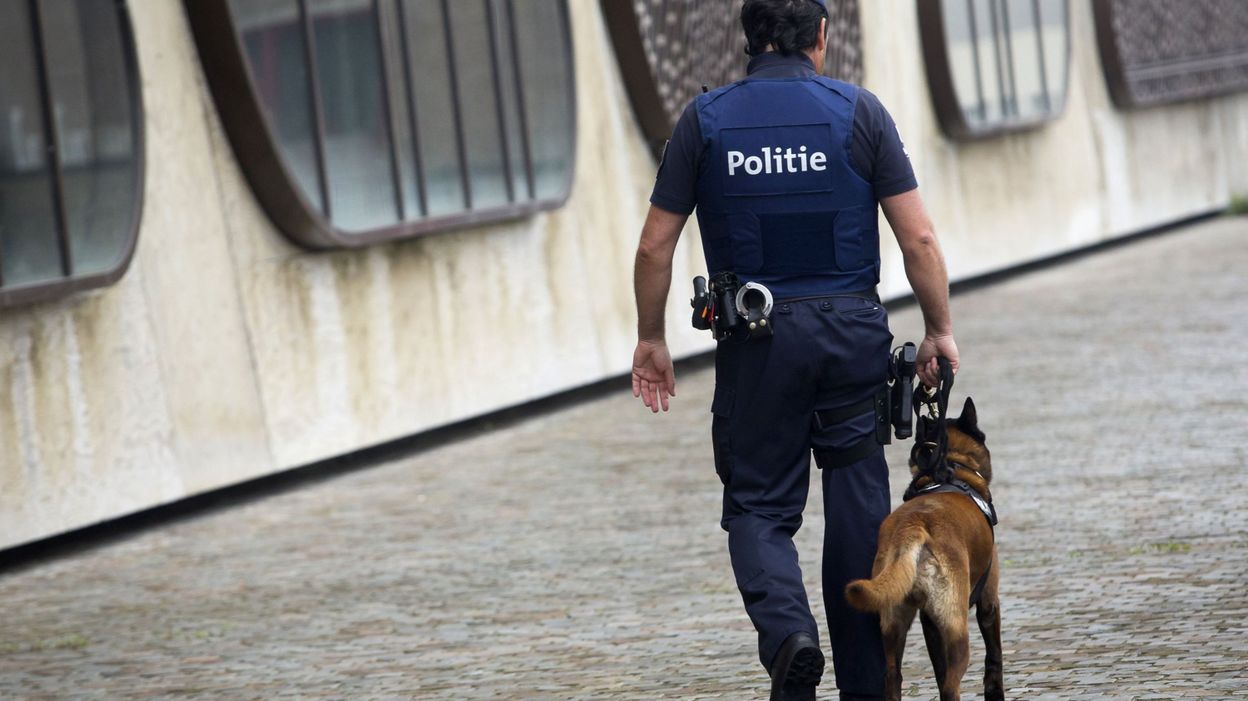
<point>871,294</point>
<point>729,308</point>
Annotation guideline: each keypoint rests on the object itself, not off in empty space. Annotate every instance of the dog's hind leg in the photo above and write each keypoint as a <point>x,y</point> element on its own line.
<point>947,609</point>
<point>988,614</point>
<point>935,646</point>
<point>957,644</point>
<point>894,625</point>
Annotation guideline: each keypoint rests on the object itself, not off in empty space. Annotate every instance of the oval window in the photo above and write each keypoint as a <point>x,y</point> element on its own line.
<point>365,120</point>
<point>995,65</point>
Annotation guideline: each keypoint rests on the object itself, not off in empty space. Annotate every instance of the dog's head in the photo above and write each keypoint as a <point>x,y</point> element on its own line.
<point>966,443</point>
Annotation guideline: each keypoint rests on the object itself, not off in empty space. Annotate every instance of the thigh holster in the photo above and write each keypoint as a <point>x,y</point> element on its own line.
<point>834,458</point>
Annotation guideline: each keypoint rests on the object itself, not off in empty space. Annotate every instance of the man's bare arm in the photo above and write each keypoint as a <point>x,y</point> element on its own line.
<point>925,269</point>
<point>652,273</point>
<point>654,378</point>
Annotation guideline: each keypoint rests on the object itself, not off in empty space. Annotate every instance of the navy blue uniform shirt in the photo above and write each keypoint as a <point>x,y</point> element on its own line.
<point>876,151</point>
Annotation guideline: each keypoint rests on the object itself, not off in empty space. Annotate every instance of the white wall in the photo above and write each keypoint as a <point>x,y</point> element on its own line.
<point>227,353</point>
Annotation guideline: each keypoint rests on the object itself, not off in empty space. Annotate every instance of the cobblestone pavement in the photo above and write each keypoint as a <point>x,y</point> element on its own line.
<point>577,555</point>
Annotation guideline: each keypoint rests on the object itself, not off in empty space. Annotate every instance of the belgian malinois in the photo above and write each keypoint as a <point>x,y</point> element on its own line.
<point>933,550</point>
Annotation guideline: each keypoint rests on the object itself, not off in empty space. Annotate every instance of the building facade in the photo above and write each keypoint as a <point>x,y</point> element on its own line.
<point>241,236</point>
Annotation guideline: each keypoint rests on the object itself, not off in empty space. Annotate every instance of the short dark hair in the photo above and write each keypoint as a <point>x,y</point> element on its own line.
<point>789,26</point>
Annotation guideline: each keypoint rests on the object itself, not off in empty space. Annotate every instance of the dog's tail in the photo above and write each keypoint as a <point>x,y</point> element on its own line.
<point>893,583</point>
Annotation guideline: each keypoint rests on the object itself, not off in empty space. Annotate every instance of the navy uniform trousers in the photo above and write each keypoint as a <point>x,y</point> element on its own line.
<point>826,353</point>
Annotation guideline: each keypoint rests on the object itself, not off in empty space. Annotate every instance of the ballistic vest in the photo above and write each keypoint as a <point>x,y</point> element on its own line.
<point>778,201</point>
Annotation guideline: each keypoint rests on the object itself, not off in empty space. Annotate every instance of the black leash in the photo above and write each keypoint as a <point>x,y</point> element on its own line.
<point>931,439</point>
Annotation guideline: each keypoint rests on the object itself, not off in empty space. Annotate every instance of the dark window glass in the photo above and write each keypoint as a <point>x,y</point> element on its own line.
<point>69,146</point>
<point>401,125</point>
<point>403,116</point>
<point>88,81</point>
<point>509,77</point>
<point>28,238</point>
<point>482,130</point>
<point>357,133</point>
<point>542,39</point>
<point>277,53</point>
<point>430,65</point>
<point>1054,42</point>
<point>995,65</point>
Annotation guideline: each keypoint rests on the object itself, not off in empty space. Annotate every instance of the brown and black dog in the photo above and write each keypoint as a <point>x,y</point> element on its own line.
<point>932,551</point>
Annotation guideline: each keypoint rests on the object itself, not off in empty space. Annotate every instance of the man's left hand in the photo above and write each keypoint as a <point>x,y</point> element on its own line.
<point>654,378</point>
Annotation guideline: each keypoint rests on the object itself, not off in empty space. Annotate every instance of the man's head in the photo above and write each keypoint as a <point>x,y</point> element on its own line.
<point>786,27</point>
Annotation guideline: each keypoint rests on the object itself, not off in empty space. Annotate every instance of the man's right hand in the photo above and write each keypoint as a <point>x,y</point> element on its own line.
<point>931,348</point>
<point>654,377</point>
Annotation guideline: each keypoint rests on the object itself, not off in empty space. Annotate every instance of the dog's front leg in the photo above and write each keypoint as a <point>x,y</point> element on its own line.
<point>989,616</point>
<point>988,613</point>
<point>894,625</point>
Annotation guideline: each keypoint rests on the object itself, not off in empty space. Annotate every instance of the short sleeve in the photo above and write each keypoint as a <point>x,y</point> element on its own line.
<point>676,187</point>
<point>878,153</point>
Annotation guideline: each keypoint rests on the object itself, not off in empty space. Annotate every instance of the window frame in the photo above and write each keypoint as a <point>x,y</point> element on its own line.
<point>69,283</point>
<point>250,131</point>
<point>1122,90</point>
<point>943,89</point>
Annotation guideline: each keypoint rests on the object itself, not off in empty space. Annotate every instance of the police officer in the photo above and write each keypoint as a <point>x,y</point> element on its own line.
<point>785,169</point>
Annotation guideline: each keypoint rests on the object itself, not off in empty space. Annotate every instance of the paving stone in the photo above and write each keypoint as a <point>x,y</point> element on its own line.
<point>578,555</point>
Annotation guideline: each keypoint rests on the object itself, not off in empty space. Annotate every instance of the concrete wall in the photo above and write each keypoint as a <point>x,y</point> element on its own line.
<point>1092,174</point>
<point>227,353</point>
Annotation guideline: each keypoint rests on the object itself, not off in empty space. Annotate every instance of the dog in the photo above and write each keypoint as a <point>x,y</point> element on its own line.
<point>933,552</point>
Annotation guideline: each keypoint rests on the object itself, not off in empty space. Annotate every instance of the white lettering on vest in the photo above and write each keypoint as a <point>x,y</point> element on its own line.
<point>777,160</point>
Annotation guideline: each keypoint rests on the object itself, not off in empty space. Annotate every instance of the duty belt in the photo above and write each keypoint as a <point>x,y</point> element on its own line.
<point>871,294</point>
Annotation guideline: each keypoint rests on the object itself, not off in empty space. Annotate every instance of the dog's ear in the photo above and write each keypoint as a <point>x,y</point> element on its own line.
<point>968,422</point>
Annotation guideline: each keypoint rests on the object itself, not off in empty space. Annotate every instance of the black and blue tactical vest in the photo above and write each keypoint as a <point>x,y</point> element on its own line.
<point>778,201</point>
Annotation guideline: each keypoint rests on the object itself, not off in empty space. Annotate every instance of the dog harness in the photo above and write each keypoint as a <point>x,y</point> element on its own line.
<point>961,487</point>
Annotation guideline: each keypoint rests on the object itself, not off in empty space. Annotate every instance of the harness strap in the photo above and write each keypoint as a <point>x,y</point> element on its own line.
<point>956,485</point>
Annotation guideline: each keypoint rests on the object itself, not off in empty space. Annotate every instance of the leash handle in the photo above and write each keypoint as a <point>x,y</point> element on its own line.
<point>945,388</point>
<point>936,399</point>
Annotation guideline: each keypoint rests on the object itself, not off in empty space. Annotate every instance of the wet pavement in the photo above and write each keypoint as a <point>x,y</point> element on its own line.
<point>577,555</point>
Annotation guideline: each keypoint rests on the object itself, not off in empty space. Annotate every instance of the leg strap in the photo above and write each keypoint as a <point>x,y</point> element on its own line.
<point>834,459</point>
<point>829,459</point>
<point>830,417</point>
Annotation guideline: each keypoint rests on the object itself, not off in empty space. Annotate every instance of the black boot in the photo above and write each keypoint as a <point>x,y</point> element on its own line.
<point>797,669</point>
